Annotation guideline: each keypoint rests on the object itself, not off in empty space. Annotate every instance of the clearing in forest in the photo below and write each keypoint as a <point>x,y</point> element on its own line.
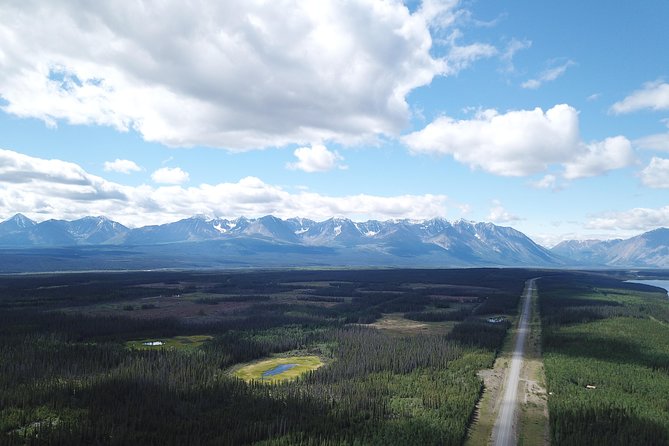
<point>176,343</point>
<point>397,323</point>
<point>278,369</point>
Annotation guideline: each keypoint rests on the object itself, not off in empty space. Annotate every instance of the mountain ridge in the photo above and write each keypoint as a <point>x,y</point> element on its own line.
<point>434,241</point>
<point>336,241</point>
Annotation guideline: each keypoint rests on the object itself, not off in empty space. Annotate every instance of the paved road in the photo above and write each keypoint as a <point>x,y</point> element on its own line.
<point>504,432</point>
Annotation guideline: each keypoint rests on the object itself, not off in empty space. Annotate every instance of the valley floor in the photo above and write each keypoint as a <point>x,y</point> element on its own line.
<point>157,357</point>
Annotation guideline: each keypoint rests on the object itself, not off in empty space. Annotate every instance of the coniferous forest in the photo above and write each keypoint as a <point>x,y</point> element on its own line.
<point>400,352</point>
<point>69,374</point>
<point>606,356</point>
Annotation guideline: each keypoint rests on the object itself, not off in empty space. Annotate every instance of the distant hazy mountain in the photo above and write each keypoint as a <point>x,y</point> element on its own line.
<point>650,249</point>
<point>187,230</point>
<point>295,241</point>
<point>21,231</point>
<point>17,223</point>
<point>16,231</point>
<point>589,252</point>
<point>97,230</point>
<point>270,241</point>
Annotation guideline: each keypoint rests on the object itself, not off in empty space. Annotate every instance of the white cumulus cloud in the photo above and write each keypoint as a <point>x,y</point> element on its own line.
<point>515,143</point>
<point>121,166</point>
<point>316,158</point>
<point>653,96</point>
<point>658,141</point>
<point>498,214</point>
<point>599,157</point>
<point>548,181</point>
<point>656,174</point>
<point>170,175</point>
<point>44,189</point>
<point>521,142</point>
<point>236,74</point>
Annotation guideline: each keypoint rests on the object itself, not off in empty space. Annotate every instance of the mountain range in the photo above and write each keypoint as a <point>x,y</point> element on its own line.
<point>648,250</point>
<point>97,242</point>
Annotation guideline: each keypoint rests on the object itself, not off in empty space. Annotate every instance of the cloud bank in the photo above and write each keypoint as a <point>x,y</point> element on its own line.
<point>637,219</point>
<point>44,189</point>
<point>224,74</point>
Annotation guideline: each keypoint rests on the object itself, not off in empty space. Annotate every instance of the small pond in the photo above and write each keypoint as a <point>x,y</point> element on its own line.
<point>278,369</point>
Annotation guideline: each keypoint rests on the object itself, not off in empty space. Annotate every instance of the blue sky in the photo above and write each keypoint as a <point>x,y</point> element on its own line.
<point>551,117</point>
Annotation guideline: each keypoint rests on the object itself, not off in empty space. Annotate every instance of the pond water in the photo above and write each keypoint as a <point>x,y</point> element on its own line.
<point>153,343</point>
<point>278,369</point>
<point>658,283</point>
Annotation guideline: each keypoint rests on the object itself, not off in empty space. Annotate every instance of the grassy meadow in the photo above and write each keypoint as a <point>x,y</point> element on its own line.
<point>176,342</point>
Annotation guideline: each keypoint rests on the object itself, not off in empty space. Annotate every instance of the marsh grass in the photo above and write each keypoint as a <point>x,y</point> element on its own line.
<point>255,370</point>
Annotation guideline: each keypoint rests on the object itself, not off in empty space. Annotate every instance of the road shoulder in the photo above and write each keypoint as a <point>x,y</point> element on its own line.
<point>487,408</point>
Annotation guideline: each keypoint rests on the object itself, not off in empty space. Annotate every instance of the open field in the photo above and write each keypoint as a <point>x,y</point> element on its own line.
<point>256,370</point>
<point>176,342</point>
<point>396,323</point>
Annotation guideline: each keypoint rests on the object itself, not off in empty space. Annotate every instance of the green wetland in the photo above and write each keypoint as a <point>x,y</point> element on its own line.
<point>378,357</point>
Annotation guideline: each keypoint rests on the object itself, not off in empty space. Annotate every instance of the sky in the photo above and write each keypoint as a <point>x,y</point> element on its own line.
<point>550,117</point>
